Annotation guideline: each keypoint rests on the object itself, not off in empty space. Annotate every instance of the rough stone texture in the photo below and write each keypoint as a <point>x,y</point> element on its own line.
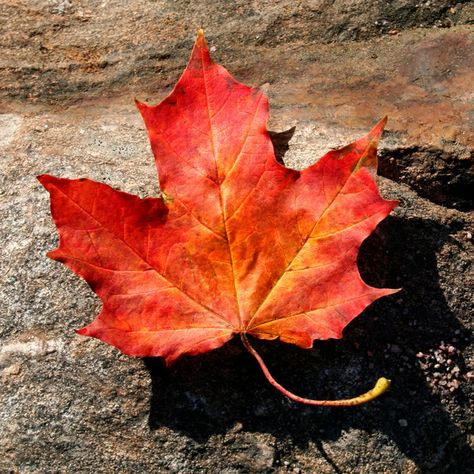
<point>68,74</point>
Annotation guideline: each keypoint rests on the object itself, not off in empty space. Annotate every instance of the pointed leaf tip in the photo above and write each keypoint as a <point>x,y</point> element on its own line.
<point>141,106</point>
<point>379,128</point>
<point>42,178</point>
<point>201,39</point>
<point>46,179</point>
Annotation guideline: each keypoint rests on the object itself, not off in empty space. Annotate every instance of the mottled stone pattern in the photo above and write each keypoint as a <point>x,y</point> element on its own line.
<point>68,73</point>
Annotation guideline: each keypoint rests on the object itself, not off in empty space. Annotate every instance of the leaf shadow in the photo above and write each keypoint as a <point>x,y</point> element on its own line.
<point>281,143</point>
<point>224,391</point>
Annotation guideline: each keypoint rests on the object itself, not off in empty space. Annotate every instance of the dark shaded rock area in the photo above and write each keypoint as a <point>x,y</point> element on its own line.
<point>438,174</point>
<point>69,71</point>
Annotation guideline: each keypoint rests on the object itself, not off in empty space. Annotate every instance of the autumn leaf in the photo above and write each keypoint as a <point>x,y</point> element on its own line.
<point>237,244</point>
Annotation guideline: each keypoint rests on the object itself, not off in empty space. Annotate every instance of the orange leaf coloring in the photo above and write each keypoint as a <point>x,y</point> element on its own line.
<point>240,244</point>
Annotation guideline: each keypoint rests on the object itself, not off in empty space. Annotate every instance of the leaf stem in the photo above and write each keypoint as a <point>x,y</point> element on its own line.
<point>380,387</point>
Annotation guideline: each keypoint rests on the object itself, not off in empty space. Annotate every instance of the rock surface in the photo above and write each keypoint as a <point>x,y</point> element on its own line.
<point>68,74</point>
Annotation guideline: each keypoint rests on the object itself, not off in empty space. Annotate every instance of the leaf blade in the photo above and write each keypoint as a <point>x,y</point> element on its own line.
<point>151,300</point>
<point>242,243</point>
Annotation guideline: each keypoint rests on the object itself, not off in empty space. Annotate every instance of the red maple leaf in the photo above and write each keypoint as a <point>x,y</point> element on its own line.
<point>238,243</point>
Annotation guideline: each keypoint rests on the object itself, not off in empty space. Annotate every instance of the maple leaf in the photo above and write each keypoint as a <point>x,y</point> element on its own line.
<point>239,243</point>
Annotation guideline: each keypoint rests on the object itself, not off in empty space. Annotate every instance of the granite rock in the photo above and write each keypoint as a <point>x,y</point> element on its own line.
<point>68,73</point>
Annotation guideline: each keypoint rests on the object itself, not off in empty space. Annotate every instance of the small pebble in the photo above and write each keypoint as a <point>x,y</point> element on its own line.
<point>403,423</point>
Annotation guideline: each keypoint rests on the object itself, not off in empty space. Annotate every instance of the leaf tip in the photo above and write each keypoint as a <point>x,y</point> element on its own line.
<point>91,330</point>
<point>141,106</point>
<point>377,131</point>
<point>44,179</point>
<point>82,332</point>
<point>56,254</point>
<point>394,203</point>
<point>200,39</point>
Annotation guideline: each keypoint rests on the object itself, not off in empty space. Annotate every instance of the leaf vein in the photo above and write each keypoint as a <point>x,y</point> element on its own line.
<point>143,259</point>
